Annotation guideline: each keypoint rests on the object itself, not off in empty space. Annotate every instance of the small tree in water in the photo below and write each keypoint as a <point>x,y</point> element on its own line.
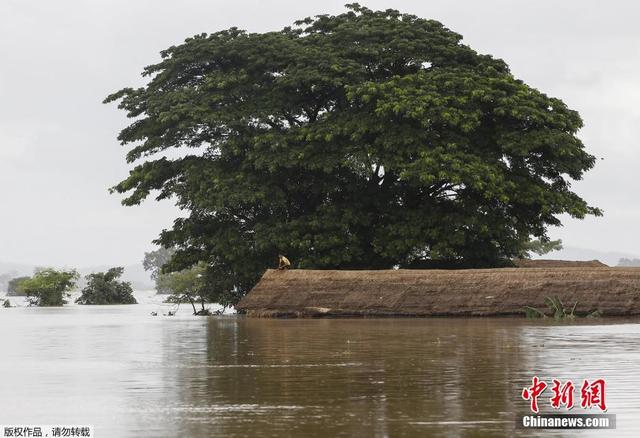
<point>104,288</point>
<point>189,285</point>
<point>49,287</point>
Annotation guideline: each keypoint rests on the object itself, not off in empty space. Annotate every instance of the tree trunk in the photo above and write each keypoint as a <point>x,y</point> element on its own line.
<point>193,304</point>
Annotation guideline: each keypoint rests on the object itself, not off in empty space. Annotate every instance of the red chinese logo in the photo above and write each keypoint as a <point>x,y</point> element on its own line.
<point>591,394</point>
<point>562,394</point>
<point>533,392</point>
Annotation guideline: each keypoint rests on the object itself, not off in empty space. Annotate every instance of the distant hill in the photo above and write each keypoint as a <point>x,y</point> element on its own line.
<point>15,268</point>
<point>629,262</point>
<point>574,253</point>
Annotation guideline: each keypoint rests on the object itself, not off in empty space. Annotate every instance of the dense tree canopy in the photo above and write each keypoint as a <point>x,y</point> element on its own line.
<point>369,139</point>
<point>105,288</point>
<point>49,287</point>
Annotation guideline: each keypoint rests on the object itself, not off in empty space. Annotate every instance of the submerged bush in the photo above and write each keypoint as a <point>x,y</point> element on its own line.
<point>49,287</point>
<point>557,309</point>
<point>104,288</point>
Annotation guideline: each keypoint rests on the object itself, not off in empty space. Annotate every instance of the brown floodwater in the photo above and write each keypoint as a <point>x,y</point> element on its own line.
<point>130,374</point>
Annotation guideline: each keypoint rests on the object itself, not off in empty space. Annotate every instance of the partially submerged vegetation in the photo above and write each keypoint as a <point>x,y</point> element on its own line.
<point>189,286</point>
<point>49,287</point>
<point>557,310</point>
<point>104,288</point>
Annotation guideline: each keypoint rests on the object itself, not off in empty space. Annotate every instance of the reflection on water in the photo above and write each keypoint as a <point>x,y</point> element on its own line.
<point>131,374</point>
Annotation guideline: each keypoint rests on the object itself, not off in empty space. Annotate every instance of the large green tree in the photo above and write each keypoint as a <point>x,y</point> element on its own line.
<point>369,139</point>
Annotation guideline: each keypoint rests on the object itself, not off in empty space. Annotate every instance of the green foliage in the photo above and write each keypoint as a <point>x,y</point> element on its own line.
<point>163,284</point>
<point>49,287</point>
<point>104,288</point>
<point>539,247</point>
<point>154,262</point>
<point>188,281</point>
<point>14,286</point>
<point>176,299</point>
<point>189,285</point>
<point>532,312</point>
<point>557,310</point>
<point>370,139</point>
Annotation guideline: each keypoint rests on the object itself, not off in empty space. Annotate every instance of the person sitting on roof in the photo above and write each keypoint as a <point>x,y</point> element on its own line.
<point>283,262</point>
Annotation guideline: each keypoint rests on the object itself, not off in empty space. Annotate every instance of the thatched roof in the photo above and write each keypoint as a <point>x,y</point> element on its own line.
<point>527,263</point>
<point>477,292</point>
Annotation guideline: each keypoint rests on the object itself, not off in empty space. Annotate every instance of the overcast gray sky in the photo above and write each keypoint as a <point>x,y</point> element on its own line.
<point>58,148</point>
